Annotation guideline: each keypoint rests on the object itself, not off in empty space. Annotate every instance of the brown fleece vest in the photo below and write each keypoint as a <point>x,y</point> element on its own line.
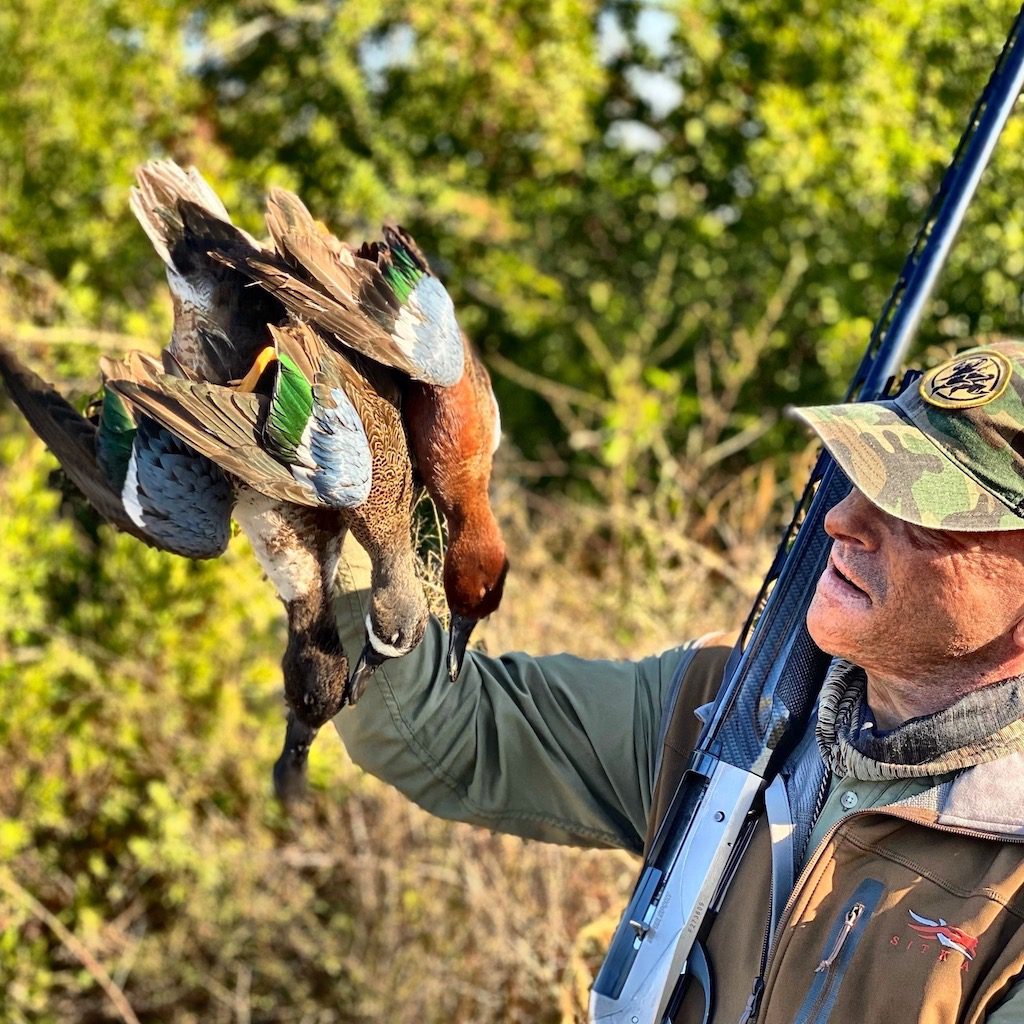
<point>898,916</point>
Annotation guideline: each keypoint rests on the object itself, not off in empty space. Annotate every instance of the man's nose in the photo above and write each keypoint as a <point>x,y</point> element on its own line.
<point>852,519</point>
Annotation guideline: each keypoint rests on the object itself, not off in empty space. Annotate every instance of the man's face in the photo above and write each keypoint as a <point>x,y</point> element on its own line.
<point>906,603</point>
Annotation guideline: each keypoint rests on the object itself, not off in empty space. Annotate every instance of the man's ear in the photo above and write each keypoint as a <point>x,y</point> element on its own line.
<point>1018,635</point>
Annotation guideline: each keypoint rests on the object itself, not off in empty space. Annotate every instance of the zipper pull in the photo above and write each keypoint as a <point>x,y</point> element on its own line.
<point>753,1002</point>
<point>851,919</point>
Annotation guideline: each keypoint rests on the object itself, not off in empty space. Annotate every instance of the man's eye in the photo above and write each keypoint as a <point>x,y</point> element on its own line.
<point>925,539</point>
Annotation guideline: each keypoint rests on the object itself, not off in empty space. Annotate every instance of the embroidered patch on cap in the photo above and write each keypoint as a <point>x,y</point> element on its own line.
<point>967,381</point>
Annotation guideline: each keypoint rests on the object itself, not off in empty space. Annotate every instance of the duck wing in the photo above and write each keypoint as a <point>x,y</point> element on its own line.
<point>314,284</point>
<point>401,293</point>
<point>184,219</point>
<point>137,477</point>
<point>302,443</point>
<point>383,304</point>
<point>314,413</point>
<point>69,435</point>
<point>221,424</point>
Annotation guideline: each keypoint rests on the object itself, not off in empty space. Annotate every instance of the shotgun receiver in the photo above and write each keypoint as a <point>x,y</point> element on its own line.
<point>773,677</point>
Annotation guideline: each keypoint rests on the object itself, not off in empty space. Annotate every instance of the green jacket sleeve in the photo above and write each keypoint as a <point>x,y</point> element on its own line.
<point>555,748</point>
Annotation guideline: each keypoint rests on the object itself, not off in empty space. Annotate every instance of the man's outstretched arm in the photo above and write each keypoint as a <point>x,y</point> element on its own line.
<point>556,748</point>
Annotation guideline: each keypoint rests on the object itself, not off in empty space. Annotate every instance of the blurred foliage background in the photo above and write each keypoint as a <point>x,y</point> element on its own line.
<point>661,222</point>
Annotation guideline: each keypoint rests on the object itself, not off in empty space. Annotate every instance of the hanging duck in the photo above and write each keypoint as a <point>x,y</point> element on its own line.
<point>323,436</point>
<point>384,302</point>
<point>293,453</point>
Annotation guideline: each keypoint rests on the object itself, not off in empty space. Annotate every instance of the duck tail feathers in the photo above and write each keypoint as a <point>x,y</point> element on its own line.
<point>206,231</point>
<point>182,216</point>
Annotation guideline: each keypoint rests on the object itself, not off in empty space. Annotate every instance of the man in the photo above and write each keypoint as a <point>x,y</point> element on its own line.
<point>902,847</point>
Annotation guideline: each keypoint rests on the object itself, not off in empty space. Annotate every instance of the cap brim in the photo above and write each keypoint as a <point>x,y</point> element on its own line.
<point>903,472</point>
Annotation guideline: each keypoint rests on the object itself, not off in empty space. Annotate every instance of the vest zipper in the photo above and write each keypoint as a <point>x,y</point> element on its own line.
<point>753,1002</point>
<point>817,1004</point>
<point>754,999</point>
<point>753,1006</point>
<point>851,919</point>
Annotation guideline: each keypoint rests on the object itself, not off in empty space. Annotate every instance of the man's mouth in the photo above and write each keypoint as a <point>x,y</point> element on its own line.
<point>846,579</point>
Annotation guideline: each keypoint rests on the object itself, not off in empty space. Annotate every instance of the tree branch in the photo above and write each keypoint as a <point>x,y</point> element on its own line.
<point>10,885</point>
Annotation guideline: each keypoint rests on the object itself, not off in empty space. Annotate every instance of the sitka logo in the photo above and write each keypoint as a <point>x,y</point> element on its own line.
<point>968,381</point>
<point>947,936</point>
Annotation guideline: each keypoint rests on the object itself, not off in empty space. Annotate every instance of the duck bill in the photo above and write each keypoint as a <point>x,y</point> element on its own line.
<point>369,661</point>
<point>290,767</point>
<point>458,638</point>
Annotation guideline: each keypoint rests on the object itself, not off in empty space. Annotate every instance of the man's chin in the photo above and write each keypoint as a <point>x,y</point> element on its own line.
<point>827,633</point>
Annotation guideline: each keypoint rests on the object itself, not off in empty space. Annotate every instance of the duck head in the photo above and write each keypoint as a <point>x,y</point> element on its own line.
<point>395,625</point>
<point>474,583</point>
<point>315,670</point>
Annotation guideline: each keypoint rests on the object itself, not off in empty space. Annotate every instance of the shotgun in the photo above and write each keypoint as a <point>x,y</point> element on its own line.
<point>774,675</point>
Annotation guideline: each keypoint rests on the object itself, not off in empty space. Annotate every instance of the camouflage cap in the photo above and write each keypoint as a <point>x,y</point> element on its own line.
<point>948,453</point>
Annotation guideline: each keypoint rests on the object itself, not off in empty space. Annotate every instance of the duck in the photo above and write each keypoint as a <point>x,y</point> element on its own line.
<point>142,479</point>
<point>454,435</point>
<point>220,327</point>
<point>384,301</point>
<point>318,447</point>
<point>323,433</point>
